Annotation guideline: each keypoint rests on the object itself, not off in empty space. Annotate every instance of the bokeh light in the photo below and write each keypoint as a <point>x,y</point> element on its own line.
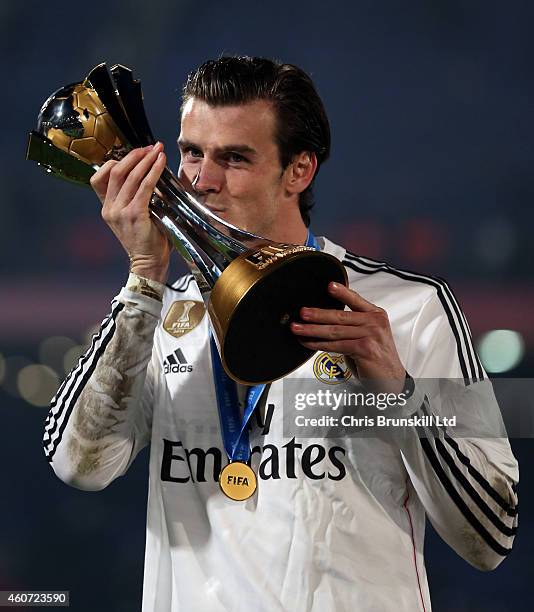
<point>37,384</point>
<point>52,351</point>
<point>12,366</point>
<point>501,350</point>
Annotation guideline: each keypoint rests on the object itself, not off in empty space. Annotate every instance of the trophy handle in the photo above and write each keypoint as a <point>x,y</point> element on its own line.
<point>205,276</point>
<point>130,92</point>
<point>100,80</point>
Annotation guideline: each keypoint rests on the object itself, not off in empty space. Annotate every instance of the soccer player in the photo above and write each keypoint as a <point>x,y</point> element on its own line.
<point>334,523</point>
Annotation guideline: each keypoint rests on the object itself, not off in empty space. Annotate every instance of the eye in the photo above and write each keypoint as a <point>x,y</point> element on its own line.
<point>191,152</point>
<point>235,158</point>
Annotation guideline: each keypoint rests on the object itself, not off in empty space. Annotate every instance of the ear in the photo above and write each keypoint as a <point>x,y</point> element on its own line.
<point>300,172</point>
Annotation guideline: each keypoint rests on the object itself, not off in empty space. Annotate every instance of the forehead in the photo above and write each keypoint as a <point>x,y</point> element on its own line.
<point>252,123</point>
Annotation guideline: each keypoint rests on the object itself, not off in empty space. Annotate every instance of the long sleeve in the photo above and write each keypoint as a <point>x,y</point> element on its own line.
<point>466,482</point>
<point>100,418</point>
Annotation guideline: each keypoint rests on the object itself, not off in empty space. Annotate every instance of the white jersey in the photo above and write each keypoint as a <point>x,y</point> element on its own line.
<point>336,524</point>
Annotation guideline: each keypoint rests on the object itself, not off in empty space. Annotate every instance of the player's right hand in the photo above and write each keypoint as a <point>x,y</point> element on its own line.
<point>125,188</point>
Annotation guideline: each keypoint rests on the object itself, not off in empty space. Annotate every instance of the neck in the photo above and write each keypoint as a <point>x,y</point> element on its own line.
<point>291,237</point>
<point>291,231</point>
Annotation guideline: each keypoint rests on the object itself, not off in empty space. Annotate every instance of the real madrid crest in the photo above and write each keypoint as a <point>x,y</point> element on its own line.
<point>331,369</point>
<point>183,316</point>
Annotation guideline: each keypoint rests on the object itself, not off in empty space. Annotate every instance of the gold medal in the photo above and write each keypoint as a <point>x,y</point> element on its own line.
<point>238,481</point>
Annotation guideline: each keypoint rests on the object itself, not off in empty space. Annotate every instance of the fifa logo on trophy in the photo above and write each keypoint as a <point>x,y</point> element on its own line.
<point>252,287</point>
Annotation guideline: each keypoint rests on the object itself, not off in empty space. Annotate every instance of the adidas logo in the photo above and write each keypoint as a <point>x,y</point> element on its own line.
<point>176,363</point>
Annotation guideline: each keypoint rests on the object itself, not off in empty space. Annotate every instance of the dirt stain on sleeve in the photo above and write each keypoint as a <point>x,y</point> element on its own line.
<point>102,409</point>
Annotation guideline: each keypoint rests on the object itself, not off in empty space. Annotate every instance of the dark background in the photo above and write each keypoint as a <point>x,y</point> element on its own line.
<point>431,109</point>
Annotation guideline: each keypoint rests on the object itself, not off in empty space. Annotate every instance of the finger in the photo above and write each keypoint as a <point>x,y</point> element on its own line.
<point>148,184</point>
<point>334,317</point>
<point>99,180</point>
<point>350,298</point>
<point>344,347</point>
<point>331,332</point>
<point>120,172</point>
<point>131,185</point>
<point>359,348</point>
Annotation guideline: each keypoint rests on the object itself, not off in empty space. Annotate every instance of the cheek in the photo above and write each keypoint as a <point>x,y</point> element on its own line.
<point>252,185</point>
<point>239,183</point>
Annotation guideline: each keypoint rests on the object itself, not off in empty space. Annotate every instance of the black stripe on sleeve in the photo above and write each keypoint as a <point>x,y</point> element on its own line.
<point>511,510</point>
<point>69,383</point>
<point>83,358</point>
<point>57,404</point>
<point>69,404</point>
<point>462,321</point>
<point>182,284</point>
<point>468,487</point>
<point>468,370</point>
<point>462,506</point>
<point>442,290</point>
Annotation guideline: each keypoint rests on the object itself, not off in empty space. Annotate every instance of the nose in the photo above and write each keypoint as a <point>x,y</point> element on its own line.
<point>209,177</point>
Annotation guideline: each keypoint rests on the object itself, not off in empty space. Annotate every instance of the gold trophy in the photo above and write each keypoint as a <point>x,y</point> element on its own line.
<point>253,288</point>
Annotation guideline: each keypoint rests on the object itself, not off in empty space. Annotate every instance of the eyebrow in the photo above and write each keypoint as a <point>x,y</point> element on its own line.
<point>237,148</point>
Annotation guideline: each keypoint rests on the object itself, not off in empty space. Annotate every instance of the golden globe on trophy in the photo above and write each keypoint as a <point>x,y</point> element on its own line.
<point>253,288</point>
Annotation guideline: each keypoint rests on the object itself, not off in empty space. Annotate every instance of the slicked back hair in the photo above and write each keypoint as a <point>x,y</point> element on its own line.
<point>301,121</point>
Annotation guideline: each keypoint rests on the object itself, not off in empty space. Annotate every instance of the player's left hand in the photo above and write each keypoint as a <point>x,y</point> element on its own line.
<point>363,334</point>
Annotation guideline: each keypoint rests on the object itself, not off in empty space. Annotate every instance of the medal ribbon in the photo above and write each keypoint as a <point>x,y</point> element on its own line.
<point>234,430</point>
<point>312,242</point>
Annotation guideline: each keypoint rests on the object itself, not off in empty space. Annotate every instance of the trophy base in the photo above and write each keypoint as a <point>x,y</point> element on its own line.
<point>257,297</point>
